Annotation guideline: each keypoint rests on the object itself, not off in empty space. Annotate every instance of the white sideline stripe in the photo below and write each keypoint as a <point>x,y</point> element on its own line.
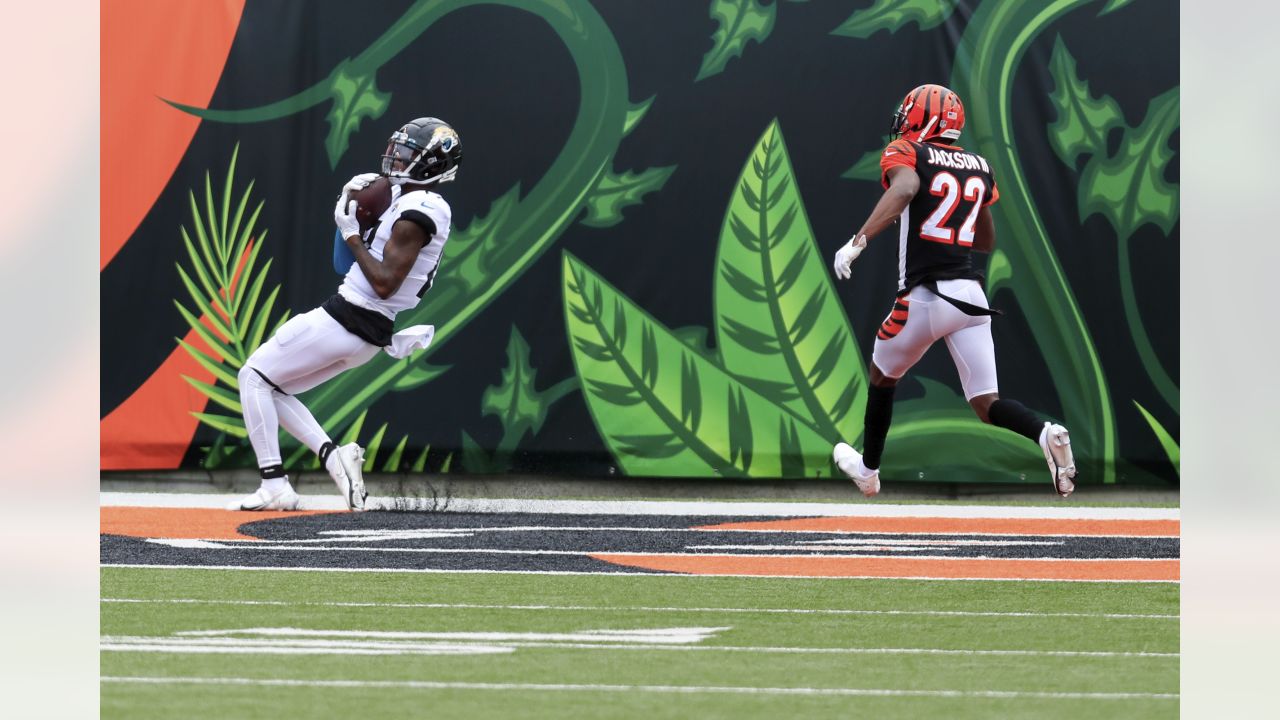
<point>297,648</point>
<point>900,542</point>
<point>627,573</point>
<point>664,636</point>
<point>681,689</point>
<point>614,608</point>
<point>870,545</point>
<point>665,507</point>
<point>337,646</point>
<point>878,537</point>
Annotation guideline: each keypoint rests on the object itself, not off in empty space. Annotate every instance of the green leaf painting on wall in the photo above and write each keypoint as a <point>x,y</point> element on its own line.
<point>1167,443</point>
<point>892,15</point>
<point>615,192</point>
<point>665,410</point>
<point>739,22</point>
<point>1083,121</point>
<point>1128,188</point>
<point>868,166</point>
<point>355,97</point>
<point>780,326</point>
<point>517,403</point>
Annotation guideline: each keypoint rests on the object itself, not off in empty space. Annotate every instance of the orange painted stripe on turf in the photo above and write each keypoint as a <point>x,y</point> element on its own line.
<point>990,526</point>
<point>185,523</point>
<point>880,567</point>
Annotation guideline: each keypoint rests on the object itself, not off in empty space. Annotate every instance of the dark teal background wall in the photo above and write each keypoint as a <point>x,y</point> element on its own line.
<point>606,144</point>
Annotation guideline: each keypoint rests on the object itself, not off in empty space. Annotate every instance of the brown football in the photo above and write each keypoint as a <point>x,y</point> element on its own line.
<point>372,201</point>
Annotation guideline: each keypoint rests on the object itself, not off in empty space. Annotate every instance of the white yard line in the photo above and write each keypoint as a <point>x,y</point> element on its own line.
<point>676,689</point>
<point>665,507</point>
<point>876,537</point>
<point>652,636</point>
<point>360,646</point>
<point>617,608</point>
<point>627,573</point>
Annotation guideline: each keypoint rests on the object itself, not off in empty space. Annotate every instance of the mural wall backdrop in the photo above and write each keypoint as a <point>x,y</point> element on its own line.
<point>638,280</point>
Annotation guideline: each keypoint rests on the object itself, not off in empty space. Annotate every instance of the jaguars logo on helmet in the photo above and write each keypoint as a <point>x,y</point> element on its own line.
<point>426,150</point>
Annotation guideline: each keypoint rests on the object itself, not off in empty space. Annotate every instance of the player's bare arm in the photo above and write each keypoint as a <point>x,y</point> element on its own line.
<point>904,183</point>
<point>903,186</point>
<point>984,233</point>
<point>398,256</point>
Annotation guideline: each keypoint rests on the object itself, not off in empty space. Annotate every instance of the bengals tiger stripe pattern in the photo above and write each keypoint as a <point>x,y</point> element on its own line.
<point>897,319</point>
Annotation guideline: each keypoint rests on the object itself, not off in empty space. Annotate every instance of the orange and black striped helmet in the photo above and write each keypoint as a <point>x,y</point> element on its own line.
<point>927,112</point>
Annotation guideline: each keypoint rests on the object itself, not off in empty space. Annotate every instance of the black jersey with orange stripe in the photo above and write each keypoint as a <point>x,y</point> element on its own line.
<point>936,229</point>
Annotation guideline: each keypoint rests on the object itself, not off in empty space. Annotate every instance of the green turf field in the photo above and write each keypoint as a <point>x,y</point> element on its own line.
<point>827,648</point>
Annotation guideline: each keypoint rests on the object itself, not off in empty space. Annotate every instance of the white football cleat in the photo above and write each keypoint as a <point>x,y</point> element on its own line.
<point>348,475</point>
<point>850,463</point>
<point>264,499</point>
<point>1056,444</point>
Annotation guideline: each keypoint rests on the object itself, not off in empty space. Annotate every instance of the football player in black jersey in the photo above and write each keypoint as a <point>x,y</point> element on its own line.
<point>940,195</point>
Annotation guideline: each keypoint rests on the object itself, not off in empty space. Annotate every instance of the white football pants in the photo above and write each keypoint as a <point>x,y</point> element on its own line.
<point>306,351</point>
<point>907,333</point>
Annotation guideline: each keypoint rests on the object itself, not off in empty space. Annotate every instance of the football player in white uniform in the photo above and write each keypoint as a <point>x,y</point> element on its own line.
<point>940,195</point>
<point>395,264</point>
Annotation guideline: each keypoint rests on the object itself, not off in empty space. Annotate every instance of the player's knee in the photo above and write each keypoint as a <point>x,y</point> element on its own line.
<point>249,378</point>
<point>981,405</point>
<point>879,379</point>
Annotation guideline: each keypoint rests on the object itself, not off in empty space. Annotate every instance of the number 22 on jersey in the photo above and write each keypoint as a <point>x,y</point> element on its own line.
<point>946,186</point>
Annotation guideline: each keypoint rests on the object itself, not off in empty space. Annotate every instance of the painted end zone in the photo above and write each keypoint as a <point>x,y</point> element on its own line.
<point>938,568</point>
<point>912,542</point>
<point>919,568</point>
<point>965,526</point>
<point>183,523</point>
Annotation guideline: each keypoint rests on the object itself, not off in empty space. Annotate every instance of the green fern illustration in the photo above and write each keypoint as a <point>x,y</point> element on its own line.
<point>396,462</point>
<point>228,311</point>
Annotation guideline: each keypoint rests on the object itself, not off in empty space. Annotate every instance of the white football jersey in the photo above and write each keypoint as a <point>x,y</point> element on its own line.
<point>355,286</point>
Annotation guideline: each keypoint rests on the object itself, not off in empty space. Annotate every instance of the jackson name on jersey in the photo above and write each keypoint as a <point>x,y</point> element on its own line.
<point>936,230</point>
<point>956,159</point>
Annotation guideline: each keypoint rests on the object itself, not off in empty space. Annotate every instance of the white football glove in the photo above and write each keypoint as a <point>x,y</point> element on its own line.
<point>847,254</point>
<point>344,216</point>
<point>359,182</point>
